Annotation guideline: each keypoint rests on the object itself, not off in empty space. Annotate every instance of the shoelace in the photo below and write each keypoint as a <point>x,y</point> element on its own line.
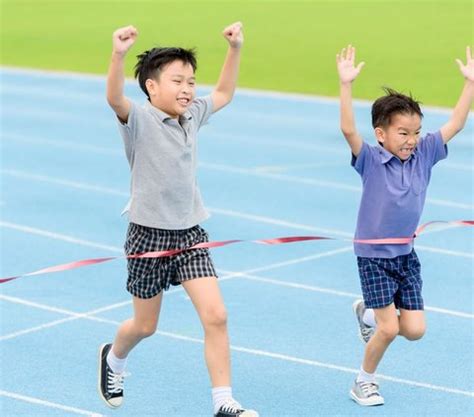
<point>367,331</point>
<point>231,406</point>
<point>369,388</point>
<point>115,382</point>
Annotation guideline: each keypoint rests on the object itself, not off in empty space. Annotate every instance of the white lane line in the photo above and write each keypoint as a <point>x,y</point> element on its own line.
<point>445,251</point>
<point>71,316</point>
<point>206,135</point>
<point>290,262</point>
<point>316,182</point>
<point>279,222</point>
<point>33,400</point>
<point>295,285</point>
<point>262,219</point>
<point>59,236</point>
<point>251,92</point>
<point>461,167</point>
<point>36,231</point>
<point>338,293</point>
<point>326,365</point>
<point>65,183</point>
<point>223,168</point>
<point>273,355</point>
<point>233,274</point>
<point>299,145</point>
<point>75,316</point>
<point>39,141</point>
<point>278,169</point>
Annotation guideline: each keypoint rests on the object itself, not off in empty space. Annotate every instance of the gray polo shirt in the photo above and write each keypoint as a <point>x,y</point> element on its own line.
<point>393,194</point>
<point>162,153</point>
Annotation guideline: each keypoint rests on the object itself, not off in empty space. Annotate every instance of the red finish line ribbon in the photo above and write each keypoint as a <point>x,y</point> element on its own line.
<point>216,244</point>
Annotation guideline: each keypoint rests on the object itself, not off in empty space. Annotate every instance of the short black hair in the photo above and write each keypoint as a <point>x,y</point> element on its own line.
<point>151,62</point>
<point>393,103</point>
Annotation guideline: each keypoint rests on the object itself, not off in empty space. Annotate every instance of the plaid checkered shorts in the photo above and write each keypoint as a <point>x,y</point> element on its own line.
<point>386,281</point>
<point>147,277</point>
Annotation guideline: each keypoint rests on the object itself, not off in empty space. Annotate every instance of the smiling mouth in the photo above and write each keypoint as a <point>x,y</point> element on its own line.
<point>183,101</point>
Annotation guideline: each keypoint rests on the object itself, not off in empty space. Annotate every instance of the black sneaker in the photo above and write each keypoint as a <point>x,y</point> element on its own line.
<point>232,408</point>
<point>110,384</point>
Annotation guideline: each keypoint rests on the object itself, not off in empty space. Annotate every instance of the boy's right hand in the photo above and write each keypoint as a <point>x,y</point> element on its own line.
<point>123,39</point>
<point>345,65</point>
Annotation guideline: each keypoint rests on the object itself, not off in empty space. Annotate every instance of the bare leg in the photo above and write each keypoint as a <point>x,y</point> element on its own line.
<point>143,324</point>
<point>207,299</point>
<point>387,329</point>
<point>412,324</point>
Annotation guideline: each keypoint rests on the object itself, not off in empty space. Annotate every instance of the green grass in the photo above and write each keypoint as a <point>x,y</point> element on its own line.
<point>289,45</point>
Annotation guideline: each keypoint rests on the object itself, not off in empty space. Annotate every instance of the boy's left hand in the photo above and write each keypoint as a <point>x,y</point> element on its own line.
<point>468,69</point>
<point>234,34</point>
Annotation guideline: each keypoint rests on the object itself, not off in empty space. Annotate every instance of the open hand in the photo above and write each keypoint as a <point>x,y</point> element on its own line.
<point>468,69</point>
<point>234,34</point>
<point>348,72</point>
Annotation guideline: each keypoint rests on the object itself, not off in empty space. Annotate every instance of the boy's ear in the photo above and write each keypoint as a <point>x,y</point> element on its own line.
<point>380,134</point>
<point>151,87</point>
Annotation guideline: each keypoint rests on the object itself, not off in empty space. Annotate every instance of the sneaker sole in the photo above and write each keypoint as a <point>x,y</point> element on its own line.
<point>99,379</point>
<point>367,403</point>
<point>354,308</point>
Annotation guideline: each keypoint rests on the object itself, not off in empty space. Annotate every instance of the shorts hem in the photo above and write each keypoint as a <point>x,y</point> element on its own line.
<point>397,306</point>
<point>190,278</point>
<point>412,308</point>
<point>142,296</point>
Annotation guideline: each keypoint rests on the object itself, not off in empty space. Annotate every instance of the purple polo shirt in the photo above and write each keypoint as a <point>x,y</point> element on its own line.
<point>393,194</point>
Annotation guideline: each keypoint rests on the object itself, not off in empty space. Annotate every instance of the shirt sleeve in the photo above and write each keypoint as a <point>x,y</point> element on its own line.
<point>129,130</point>
<point>201,109</point>
<point>433,148</point>
<point>364,161</point>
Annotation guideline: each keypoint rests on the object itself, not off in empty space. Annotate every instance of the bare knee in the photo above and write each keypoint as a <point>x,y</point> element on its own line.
<point>388,331</point>
<point>412,324</point>
<point>414,332</point>
<point>145,329</point>
<point>215,317</point>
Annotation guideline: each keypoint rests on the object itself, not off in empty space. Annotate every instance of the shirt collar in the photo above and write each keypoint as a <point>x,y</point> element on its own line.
<point>386,156</point>
<point>165,116</point>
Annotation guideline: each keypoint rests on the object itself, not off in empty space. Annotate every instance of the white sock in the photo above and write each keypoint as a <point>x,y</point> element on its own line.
<point>219,396</point>
<point>365,376</point>
<point>117,364</point>
<point>369,317</point>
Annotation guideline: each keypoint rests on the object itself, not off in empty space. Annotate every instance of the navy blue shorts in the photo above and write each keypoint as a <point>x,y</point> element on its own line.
<point>395,280</point>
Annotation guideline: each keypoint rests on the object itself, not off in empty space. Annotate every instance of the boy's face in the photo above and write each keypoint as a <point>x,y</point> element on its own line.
<point>401,136</point>
<point>174,90</point>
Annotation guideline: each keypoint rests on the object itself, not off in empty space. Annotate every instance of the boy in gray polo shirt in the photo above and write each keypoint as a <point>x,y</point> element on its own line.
<point>395,176</point>
<point>166,208</point>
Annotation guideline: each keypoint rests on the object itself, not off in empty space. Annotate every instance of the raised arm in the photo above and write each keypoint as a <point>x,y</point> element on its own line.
<point>224,90</point>
<point>348,72</point>
<point>461,110</point>
<point>123,39</point>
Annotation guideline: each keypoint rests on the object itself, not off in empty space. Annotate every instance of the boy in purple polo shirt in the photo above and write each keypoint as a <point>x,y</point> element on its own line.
<point>395,175</point>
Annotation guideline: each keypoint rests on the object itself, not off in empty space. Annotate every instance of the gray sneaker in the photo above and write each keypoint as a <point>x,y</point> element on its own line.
<point>366,393</point>
<point>365,331</point>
